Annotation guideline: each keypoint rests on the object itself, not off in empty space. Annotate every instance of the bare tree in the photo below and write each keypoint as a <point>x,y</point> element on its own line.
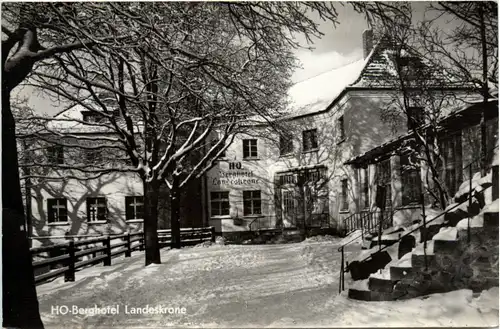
<point>426,85</point>
<point>460,38</point>
<point>71,44</point>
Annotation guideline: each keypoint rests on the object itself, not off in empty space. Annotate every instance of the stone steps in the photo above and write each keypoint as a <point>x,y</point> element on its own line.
<point>431,273</point>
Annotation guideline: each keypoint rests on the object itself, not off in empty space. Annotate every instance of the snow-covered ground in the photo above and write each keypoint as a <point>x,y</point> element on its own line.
<point>292,285</point>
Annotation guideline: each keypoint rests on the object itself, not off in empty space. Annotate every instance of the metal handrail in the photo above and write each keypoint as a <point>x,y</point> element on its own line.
<point>343,268</point>
<point>368,212</point>
<point>427,222</point>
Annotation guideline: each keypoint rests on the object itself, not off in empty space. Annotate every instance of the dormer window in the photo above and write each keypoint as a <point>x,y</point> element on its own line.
<point>92,117</point>
<point>411,67</point>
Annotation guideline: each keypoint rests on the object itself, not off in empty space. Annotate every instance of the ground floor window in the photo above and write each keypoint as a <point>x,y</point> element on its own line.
<point>451,148</point>
<point>252,203</point>
<point>57,210</point>
<point>219,203</point>
<point>383,178</point>
<point>365,188</point>
<point>411,186</point>
<point>134,207</point>
<point>96,209</point>
<point>344,202</point>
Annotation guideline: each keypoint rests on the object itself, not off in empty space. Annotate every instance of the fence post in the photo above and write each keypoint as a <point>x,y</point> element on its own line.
<point>128,253</point>
<point>141,241</point>
<point>69,275</point>
<point>212,230</point>
<point>107,244</point>
<point>341,279</point>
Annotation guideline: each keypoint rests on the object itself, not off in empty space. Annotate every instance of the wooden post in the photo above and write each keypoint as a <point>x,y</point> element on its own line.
<point>69,275</point>
<point>212,230</point>
<point>107,244</point>
<point>128,253</point>
<point>141,241</point>
<point>341,279</point>
<point>424,219</point>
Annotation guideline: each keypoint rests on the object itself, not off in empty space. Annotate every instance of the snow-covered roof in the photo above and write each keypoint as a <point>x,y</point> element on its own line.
<point>71,120</point>
<point>317,93</point>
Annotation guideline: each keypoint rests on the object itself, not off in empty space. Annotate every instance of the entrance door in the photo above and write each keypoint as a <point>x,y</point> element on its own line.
<point>288,207</point>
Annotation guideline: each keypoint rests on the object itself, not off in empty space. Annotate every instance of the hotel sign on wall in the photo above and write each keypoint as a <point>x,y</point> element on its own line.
<point>235,175</point>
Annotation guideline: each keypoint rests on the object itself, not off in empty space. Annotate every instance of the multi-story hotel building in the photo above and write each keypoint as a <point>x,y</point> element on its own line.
<point>313,168</point>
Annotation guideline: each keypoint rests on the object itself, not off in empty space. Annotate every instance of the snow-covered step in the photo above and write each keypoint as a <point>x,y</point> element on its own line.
<point>446,240</point>
<point>361,291</point>
<point>381,281</point>
<point>399,273</point>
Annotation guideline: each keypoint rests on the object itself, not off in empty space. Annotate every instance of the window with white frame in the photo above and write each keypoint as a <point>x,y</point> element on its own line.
<point>57,210</point>
<point>451,149</point>
<point>55,154</point>
<point>96,209</point>
<point>219,203</point>
<point>344,201</point>
<point>310,140</point>
<point>252,203</point>
<point>92,117</point>
<point>93,155</point>
<point>286,144</point>
<point>134,207</point>
<point>365,186</point>
<point>415,116</point>
<point>250,148</point>
<point>410,181</point>
<point>340,129</point>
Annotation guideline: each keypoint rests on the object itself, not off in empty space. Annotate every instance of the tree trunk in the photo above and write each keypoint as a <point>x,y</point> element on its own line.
<point>20,304</point>
<point>151,195</point>
<point>485,92</point>
<point>175,216</point>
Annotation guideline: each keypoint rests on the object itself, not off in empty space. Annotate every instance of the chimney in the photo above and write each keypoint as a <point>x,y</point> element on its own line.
<point>367,42</point>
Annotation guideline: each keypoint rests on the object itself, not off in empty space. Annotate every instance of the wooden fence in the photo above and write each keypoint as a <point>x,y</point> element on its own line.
<point>73,255</point>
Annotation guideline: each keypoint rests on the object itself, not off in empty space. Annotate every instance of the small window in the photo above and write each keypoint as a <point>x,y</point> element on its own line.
<point>57,210</point>
<point>134,207</point>
<point>410,181</point>
<point>411,68</point>
<point>96,209</point>
<point>219,202</point>
<point>366,189</point>
<point>93,155</point>
<point>451,151</point>
<point>344,202</point>
<point>415,117</point>
<point>92,117</point>
<point>340,129</point>
<point>55,154</point>
<point>249,148</point>
<point>286,144</point>
<point>252,203</point>
<point>309,140</point>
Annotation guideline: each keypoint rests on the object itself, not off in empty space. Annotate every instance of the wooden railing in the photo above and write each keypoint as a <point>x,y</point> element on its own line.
<point>74,255</point>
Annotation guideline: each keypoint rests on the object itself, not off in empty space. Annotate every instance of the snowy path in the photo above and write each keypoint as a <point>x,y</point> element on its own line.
<point>234,286</point>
